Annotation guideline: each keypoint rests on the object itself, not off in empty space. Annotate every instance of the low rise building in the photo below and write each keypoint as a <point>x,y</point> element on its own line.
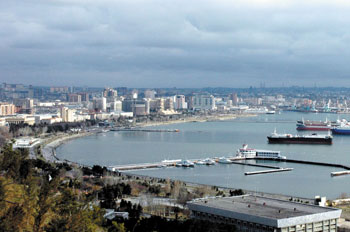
<point>21,119</point>
<point>255,213</point>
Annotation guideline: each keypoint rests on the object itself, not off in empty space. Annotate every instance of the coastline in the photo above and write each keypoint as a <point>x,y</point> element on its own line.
<point>52,143</point>
<point>49,149</point>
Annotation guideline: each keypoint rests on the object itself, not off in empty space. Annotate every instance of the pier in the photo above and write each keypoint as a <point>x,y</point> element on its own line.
<point>346,167</point>
<point>268,171</point>
<point>239,161</point>
<point>256,165</point>
<point>342,173</point>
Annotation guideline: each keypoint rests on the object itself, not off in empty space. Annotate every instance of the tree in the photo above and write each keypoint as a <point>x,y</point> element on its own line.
<point>117,227</point>
<point>11,161</point>
<point>11,221</point>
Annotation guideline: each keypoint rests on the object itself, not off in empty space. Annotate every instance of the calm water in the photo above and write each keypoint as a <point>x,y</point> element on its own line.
<point>209,139</point>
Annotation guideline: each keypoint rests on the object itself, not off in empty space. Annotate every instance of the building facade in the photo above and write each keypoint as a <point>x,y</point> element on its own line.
<point>203,102</point>
<point>255,213</point>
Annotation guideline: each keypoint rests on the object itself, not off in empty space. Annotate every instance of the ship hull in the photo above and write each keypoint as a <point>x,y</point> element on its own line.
<point>299,140</point>
<point>341,131</point>
<point>313,128</point>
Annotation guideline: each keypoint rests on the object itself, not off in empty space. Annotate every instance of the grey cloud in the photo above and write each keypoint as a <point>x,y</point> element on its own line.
<point>175,43</point>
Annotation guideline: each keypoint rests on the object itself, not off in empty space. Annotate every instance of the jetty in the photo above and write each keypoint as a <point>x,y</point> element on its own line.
<point>268,171</point>
<point>346,167</point>
<point>341,173</point>
<point>256,165</point>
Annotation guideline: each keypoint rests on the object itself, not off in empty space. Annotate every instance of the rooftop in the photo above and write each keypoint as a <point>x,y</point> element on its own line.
<point>262,210</point>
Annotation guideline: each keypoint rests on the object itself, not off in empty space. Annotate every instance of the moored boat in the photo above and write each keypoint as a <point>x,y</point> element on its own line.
<point>275,138</point>
<point>316,125</point>
<point>246,152</point>
<point>341,130</point>
<point>185,164</point>
<point>209,161</point>
<point>224,160</point>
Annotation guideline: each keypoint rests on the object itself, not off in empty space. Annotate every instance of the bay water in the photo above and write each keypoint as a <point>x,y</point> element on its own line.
<point>223,138</point>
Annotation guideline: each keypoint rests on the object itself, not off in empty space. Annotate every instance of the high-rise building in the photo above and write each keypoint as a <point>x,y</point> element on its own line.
<point>234,99</point>
<point>100,104</point>
<point>67,114</point>
<point>84,97</point>
<point>203,102</point>
<point>180,102</point>
<point>169,103</point>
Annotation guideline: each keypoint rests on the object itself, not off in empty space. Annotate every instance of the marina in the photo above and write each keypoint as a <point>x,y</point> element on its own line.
<point>235,160</point>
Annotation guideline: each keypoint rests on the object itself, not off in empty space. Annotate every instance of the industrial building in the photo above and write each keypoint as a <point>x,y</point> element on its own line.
<point>256,213</point>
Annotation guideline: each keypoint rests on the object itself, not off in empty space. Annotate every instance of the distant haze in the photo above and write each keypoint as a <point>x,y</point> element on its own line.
<point>178,43</point>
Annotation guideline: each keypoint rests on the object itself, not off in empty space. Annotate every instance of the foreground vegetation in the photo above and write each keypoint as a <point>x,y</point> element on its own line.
<point>40,196</point>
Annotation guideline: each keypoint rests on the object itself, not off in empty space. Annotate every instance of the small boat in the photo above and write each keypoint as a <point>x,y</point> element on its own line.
<point>185,164</point>
<point>209,161</point>
<point>224,160</point>
<point>199,162</point>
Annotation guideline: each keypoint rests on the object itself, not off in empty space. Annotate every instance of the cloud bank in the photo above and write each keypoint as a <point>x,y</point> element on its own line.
<point>163,43</point>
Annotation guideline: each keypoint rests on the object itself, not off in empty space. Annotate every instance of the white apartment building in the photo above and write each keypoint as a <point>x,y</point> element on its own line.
<point>203,102</point>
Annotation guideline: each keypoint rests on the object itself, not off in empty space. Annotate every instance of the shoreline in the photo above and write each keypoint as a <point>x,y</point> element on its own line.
<point>49,149</point>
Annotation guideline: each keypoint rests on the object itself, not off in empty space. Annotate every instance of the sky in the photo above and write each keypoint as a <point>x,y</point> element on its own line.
<point>178,43</point>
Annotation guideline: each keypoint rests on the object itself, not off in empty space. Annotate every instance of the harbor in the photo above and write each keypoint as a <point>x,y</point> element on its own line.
<point>196,141</point>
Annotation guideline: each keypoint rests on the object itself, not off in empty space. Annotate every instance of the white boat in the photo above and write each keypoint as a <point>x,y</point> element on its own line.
<point>185,163</point>
<point>224,160</point>
<point>209,161</point>
<point>246,152</point>
<point>199,162</point>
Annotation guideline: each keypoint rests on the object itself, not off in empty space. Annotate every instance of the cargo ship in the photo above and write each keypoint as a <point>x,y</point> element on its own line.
<point>275,138</point>
<point>343,129</point>
<point>316,125</point>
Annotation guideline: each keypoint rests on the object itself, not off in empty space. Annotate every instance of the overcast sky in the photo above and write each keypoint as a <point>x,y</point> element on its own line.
<point>162,43</point>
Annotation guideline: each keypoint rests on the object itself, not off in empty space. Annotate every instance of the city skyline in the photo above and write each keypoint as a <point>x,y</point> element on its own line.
<point>152,44</point>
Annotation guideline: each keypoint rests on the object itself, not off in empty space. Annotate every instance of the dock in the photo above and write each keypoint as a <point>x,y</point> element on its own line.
<point>268,171</point>
<point>346,167</point>
<point>256,165</point>
<point>341,173</point>
<point>239,161</point>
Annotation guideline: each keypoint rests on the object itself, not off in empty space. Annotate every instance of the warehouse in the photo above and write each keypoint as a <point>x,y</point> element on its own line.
<point>255,213</point>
